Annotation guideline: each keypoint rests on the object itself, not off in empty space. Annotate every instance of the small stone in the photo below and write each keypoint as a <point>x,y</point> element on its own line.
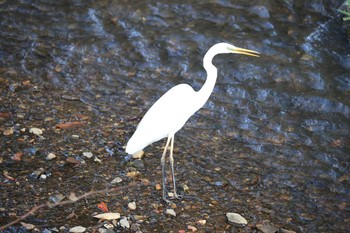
<point>48,119</point>
<point>185,187</point>
<point>108,225</point>
<point>50,156</point>
<point>202,222</point>
<point>236,219</point>
<point>57,198</point>
<point>116,180</point>
<point>36,174</point>
<point>266,227</point>
<point>132,205</point>
<point>138,155</point>
<point>158,187</point>
<point>43,176</point>
<point>97,160</point>
<point>36,131</point>
<point>77,229</point>
<point>74,136</point>
<point>192,228</point>
<point>139,164</point>
<point>88,155</point>
<point>170,212</point>
<point>124,223</point>
<point>140,218</point>
<point>8,131</point>
<point>133,173</point>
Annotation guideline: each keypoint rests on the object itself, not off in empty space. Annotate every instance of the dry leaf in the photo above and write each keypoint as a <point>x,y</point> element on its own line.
<point>108,216</point>
<point>69,125</point>
<point>103,207</point>
<point>4,115</point>
<point>27,226</point>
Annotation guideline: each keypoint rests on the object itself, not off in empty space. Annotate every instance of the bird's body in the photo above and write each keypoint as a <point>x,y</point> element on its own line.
<point>154,125</point>
<point>169,113</point>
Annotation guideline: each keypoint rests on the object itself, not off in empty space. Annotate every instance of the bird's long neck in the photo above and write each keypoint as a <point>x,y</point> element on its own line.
<point>212,73</point>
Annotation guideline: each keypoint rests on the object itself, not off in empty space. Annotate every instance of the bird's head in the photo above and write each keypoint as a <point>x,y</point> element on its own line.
<point>228,48</point>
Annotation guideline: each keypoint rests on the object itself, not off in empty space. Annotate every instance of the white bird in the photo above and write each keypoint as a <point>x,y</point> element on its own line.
<point>169,113</point>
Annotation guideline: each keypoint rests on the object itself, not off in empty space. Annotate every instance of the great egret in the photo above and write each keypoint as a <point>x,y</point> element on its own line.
<point>169,113</point>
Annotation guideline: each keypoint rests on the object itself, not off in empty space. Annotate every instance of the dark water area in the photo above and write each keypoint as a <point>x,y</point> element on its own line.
<point>272,143</point>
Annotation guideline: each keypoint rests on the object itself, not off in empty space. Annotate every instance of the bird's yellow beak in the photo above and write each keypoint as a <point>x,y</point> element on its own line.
<point>244,51</point>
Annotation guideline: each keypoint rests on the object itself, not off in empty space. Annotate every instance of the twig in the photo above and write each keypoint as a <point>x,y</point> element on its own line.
<point>61,203</point>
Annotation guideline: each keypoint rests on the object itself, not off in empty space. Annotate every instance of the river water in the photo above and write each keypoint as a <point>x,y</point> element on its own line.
<point>272,142</point>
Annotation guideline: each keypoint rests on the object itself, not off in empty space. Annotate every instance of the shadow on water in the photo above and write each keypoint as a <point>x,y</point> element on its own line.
<point>272,143</point>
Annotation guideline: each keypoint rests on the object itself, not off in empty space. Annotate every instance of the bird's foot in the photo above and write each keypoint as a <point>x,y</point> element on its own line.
<point>177,196</point>
<point>168,201</point>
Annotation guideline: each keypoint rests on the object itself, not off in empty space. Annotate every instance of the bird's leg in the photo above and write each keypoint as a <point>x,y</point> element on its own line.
<point>162,160</point>
<point>171,158</point>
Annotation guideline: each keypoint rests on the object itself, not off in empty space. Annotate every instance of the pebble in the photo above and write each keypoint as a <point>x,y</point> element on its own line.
<point>266,227</point>
<point>51,156</point>
<point>77,229</point>
<point>185,188</point>
<point>108,225</point>
<point>124,223</point>
<point>116,180</point>
<point>8,131</point>
<point>236,219</point>
<point>97,160</point>
<point>88,155</point>
<point>132,205</point>
<point>202,222</point>
<point>36,131</point>
<point>36,174</point>
<point>133,174</point>
<point>139,164</point>
<point>57,198</point>
<point>170,212</point>
<point>138,155</point>
<point>140,218</point>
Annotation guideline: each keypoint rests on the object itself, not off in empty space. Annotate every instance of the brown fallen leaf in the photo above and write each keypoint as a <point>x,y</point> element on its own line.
<point>69,125</point>
<point>4,115</point>
<point>103,206</point>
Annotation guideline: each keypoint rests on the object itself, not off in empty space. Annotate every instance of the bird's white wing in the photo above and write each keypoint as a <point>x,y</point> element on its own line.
<point>166,116</point>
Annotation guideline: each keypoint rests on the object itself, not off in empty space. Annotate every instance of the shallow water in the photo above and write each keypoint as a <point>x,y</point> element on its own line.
<point>273,139</point>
